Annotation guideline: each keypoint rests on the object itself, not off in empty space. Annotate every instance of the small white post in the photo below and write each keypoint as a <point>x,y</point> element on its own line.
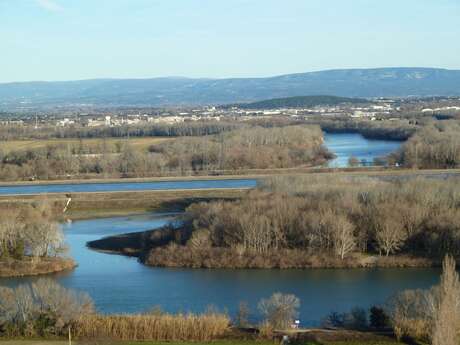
<point>67,205</point>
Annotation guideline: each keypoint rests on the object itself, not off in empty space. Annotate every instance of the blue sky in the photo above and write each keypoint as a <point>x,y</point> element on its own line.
<point>80,39</point>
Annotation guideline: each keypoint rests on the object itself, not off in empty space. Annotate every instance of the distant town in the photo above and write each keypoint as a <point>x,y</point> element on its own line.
<point>86,116</point>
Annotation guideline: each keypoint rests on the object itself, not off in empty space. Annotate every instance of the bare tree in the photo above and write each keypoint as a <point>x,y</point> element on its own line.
<point>389,234</point>
<point>343,236</point>
<point>280,310</point>
<point>21,307</point>
<point>446,316</point>
<point>44,238</point>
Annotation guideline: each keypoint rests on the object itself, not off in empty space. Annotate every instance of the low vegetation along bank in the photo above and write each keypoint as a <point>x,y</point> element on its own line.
<point>31,241</point>
<point>44,309</point>
<point>310,221</point>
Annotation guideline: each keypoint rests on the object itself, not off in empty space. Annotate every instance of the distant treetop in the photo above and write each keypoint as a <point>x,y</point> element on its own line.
<point>299,102</point>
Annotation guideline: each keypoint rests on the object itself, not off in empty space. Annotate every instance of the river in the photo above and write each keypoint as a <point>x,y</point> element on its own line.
<point>343,145</point>
<point>120,284</point>
<point>346,145</point>
<point>33,189</point>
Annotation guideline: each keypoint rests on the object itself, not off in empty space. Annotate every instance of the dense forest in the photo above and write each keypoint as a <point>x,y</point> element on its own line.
<point>252,147</point>
<point>319,222</point>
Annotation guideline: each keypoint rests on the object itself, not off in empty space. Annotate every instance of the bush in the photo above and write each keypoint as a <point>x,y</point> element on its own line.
<point>242,317</point>
<point>356,319</point>
<point>378,318</point>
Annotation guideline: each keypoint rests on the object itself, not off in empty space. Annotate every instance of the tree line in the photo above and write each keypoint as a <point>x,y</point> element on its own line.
<point>293,221</point>
<point>198,128</point>
<point>434,146</point>
<point>253,147</point>
<point>399,130</point>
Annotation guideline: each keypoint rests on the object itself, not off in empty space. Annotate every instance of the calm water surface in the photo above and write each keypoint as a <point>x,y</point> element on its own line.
<point>346,145</point>
<point>125,186</point>
<point>119,284</point>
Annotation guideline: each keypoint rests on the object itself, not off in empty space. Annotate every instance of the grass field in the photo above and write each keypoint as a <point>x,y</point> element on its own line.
<point>94,205</point>
<point>22,145</point>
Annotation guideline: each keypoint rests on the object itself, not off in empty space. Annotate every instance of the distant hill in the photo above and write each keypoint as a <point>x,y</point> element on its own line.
<point>300,102</point>
<point>356,83</point>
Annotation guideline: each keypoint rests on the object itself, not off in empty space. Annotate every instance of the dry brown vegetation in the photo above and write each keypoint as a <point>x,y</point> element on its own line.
<point>89,144</point>
<point>31,241</point>
<point>317,221</point>
<point>43,308</point>
<point>34,267</point>
<point>159,327</point>
<point>245,148</point>
<point>430,315</point>
<point>248,148</point>
<point>46,309</point>
<point>46,132</point>
<point>434,146</point>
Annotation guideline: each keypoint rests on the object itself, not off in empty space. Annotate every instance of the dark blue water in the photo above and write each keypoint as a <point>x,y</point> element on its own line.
<point>346,145</point>
<point>125,186</point>
<point>120,284</point>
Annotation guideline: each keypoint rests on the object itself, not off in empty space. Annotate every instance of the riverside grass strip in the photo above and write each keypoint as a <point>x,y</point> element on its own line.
<point>163,327</point>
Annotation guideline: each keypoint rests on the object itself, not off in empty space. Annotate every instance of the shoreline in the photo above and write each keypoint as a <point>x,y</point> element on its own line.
<point>29,268</point>
<point>103,205</point>
<point>242,175</point>
<point>159,253</point>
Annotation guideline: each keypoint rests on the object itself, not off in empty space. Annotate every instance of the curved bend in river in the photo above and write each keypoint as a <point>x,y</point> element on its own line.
<point>119,284</point>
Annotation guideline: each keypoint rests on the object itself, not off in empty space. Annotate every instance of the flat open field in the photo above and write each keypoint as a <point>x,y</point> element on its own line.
<point>267,173</point>
<point>22,145</point>
<point>94,205</point>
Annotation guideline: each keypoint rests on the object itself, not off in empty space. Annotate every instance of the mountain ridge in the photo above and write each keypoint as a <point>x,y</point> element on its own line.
<point>176,91</point>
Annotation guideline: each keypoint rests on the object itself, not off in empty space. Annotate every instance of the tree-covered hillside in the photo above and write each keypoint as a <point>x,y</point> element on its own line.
<point>300,102</point>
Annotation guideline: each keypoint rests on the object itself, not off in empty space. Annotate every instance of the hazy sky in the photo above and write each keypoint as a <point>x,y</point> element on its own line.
<point>79,39</point>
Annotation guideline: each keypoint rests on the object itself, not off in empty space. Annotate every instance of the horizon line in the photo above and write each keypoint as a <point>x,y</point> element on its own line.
<point>223,78</point>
